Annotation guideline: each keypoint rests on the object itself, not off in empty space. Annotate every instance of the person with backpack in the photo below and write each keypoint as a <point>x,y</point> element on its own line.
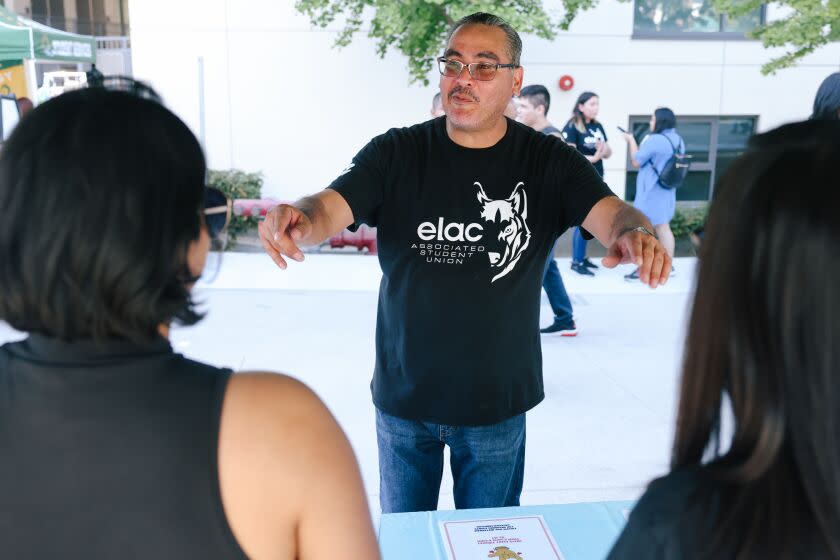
<point>659,160</point>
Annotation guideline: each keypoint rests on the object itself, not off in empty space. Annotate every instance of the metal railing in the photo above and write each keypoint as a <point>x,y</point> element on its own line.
<point>113,43</point>
<point>82,26</point>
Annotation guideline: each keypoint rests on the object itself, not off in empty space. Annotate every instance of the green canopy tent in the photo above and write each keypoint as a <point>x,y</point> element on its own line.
<point>22,38</point>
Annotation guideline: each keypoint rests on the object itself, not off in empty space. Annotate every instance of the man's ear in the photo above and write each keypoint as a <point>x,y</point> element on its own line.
<point>518,76</point>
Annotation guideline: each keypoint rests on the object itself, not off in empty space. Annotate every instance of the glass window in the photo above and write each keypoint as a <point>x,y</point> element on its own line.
<point>697,186</point>
<point>697,137</point>
<point>743,24</point>
<point>674,17</point>
<point>732,137</point>
<point>714,142</point>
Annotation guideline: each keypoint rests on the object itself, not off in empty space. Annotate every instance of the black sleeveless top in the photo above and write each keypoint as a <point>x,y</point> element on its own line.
<point>110,451</point>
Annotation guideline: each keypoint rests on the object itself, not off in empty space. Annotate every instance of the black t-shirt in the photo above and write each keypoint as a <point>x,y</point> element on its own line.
<point>586,142</point>
<point>463,236</point>
<point>670,520</point>
<point>679,516</point>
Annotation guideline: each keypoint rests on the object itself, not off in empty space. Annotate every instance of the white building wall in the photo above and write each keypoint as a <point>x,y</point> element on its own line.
<point>280,100</point>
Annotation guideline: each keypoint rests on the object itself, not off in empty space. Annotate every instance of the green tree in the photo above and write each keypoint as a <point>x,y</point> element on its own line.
<point>808,25</point>
<point>418,28</point>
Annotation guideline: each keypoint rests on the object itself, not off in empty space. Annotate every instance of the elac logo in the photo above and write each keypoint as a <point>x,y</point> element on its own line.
<point>508,215</point>
<point>514,235</point>
<point>455,231</point>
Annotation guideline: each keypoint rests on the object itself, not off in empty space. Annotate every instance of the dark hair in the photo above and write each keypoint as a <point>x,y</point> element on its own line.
<point>538,96</point>
<point>665,119</point>
<point>100,196</point>
<point>764,337</point>
<point>577,115</point>
<point>483,18</point>
<point>827,100</point>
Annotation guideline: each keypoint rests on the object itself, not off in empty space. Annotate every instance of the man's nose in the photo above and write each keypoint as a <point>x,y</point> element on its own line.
<point>464,77</point>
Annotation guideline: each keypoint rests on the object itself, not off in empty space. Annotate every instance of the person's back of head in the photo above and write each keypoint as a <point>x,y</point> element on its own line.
<point>665,120</point>
<point>827,99</point>
<point>764,336</point>
<point>95,241</point>
<point>101,200</point>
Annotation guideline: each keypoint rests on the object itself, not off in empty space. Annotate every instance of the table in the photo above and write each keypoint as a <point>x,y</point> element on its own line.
<point>584,531</point>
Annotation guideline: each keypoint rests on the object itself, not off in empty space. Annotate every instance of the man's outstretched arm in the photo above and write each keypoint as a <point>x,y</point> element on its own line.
<point>629,238</point>
<point>309,221</point>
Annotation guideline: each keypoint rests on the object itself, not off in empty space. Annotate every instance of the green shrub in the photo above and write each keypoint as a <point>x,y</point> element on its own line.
<point>237,184</point>
<point>687,220</point>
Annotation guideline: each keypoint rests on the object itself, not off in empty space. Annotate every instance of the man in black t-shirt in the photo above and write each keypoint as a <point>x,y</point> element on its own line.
<point>467,207</point>
<point>533,104</point>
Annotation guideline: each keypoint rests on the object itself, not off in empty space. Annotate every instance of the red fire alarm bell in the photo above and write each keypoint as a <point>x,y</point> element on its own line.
<point>566,82</point>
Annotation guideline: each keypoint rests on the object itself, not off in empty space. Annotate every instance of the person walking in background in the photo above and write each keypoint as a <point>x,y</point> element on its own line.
<point>584,132</point>
<point>762,355</point>
<point>437,106</point>
<point>532,107</point>
<point>511,111</point>
<point>652,199</point>
<point>827,100</point>
<point>25,106</point>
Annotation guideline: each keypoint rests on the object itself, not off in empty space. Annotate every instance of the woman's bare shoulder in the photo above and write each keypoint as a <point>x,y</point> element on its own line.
<point>282,457</point>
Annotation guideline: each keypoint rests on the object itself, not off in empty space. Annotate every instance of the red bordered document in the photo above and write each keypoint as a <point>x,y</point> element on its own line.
<point>510,538</point>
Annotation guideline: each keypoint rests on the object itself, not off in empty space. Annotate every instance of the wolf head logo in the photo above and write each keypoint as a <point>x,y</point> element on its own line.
<point>509,215</point>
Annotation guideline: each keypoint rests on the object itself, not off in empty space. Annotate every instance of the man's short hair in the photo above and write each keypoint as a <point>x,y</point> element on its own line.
<point>436,101</point>
<point>537,95</point>
<point>483,18</point>
<point>95,244</point>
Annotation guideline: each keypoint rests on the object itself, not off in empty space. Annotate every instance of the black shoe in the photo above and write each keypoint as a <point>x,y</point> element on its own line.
<point>580,268</point>
<point>633,276</point>
<point>562,329</point>
<point>589,264</point>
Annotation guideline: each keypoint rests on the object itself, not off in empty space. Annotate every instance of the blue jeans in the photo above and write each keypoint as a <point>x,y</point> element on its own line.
<point>488,463</point>
<point>561,305</point>
<point>578,246</point>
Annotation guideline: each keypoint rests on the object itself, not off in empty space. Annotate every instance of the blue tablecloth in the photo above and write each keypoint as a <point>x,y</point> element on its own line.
<point>584,531</point>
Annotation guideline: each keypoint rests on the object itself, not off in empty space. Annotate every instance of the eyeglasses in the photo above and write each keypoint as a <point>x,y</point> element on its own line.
<point>481,71</point>
<point>217,211</point>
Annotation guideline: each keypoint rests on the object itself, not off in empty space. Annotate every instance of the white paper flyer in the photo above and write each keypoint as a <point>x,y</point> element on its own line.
<point>510,538</point>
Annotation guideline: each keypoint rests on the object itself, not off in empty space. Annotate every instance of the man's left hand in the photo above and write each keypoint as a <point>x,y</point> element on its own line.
<point>643,250</point>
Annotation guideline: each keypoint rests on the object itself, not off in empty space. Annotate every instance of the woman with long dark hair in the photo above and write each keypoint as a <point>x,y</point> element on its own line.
<point>763,346</point>
<point>112,445</point>
<point>827,100</point>
<point>656,201</point>
<point>584,132</point>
